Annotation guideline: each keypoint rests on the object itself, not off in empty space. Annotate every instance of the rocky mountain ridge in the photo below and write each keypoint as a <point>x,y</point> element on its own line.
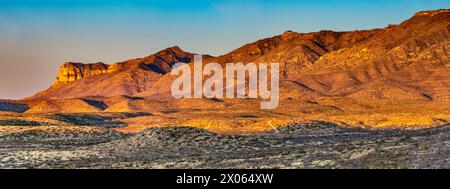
<point>410,59</point>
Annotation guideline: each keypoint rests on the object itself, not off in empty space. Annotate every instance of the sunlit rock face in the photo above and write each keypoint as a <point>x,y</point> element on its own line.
<point>71,71</point>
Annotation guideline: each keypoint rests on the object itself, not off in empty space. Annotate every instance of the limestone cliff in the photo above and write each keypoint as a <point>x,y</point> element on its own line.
<point>71,71</point>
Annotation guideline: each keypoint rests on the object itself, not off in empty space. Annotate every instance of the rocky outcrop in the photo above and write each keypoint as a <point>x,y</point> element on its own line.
<point>71,71</point>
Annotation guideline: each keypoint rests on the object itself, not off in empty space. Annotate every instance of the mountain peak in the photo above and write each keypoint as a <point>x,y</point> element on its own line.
<point>171,50</point>
<point>174,52</point>
<point>288,34</point>
<point>175,48</point>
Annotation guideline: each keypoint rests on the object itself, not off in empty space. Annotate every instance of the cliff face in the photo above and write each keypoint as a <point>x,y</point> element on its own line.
<point>71,71</point>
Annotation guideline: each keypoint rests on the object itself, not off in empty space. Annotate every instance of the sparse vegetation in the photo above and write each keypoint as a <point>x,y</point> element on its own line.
<point>18,122</point>
<point>312,145</point>
<point>87,120</point>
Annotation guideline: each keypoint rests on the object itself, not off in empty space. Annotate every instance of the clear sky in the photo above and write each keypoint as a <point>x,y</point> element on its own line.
<point>37,36</point>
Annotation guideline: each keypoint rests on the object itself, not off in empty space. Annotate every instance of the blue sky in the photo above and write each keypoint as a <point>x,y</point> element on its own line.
<point>37,36</point>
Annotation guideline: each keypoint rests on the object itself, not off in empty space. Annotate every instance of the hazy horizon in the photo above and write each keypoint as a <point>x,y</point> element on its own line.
<point>37,37</point>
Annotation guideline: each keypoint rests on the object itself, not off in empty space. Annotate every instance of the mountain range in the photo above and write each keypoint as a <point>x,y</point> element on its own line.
<point>325,75</point>
<point>405,61</point>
